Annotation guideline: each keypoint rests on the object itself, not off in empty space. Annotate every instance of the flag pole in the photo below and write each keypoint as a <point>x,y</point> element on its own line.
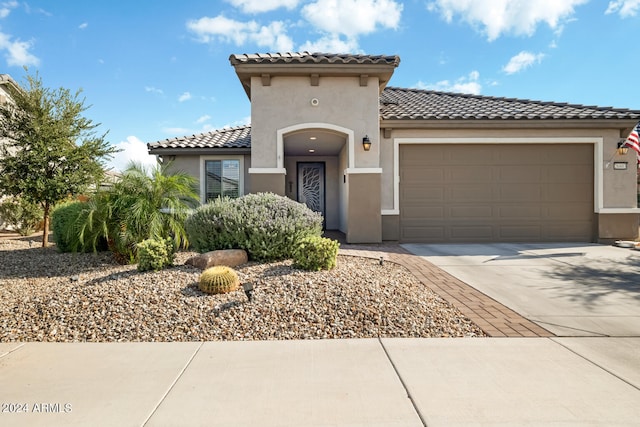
<point>633,141</point>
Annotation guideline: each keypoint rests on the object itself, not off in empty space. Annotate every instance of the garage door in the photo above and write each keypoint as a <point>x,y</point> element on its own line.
<point>496,192</point>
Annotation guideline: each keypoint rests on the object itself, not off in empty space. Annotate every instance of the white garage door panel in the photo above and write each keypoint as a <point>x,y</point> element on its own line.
<point>491,192</point>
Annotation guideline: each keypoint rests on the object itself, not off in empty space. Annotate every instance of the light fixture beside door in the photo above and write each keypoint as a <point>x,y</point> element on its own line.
<point>366,143</point>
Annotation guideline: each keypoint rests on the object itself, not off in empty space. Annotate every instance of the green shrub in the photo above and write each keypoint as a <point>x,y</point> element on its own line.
<point>21,215</point>
<point>64,224</point>
<point>155,254</point>
<point>316,253</point>
<point>210,228</point>
<point>266,225</point>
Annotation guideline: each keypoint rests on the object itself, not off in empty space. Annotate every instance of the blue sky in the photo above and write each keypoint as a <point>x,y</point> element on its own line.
<point>155,69</point>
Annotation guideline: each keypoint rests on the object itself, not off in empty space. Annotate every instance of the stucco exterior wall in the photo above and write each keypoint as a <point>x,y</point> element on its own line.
<point>187,164</point>
<point>364,208</point>
<point>290,100</point>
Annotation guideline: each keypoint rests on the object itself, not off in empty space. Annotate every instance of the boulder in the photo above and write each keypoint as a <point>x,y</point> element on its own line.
<point>228,257</point>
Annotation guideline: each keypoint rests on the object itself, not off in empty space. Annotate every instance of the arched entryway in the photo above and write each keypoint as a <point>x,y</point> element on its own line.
<point>315,156</point>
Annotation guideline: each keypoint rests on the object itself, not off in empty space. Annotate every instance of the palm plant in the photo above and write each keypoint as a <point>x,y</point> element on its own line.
<point>147,203</point>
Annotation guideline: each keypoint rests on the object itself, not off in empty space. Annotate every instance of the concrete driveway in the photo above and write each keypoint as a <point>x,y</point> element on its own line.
<point>572,290</point>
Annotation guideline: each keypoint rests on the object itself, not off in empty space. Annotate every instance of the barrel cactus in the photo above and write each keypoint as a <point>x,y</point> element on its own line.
<point>219,280</point>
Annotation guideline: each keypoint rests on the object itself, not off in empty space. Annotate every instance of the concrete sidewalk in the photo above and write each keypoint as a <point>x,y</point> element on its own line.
<point>364,382</point>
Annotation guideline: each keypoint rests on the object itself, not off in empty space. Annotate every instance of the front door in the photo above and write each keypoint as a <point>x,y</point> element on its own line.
<point>311,185</point>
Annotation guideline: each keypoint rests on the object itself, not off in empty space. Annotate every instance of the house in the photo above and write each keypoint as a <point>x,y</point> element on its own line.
<point>389,163</point>
<point>7,84</point>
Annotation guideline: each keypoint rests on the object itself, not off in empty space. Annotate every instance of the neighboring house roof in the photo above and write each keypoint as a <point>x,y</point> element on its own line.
<point>415,104</point>
<point>6,84</point>
<point>232,138</point>
<point>6,78</point>
<point>312,58</point>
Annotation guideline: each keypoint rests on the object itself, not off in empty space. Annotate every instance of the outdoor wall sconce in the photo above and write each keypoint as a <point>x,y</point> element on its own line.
<point>366,143</point>
<point>622,149</point>
<point>248,290</point>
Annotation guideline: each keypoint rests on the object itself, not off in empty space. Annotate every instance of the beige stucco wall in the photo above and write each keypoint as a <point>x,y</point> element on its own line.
<point>287,101</point>
<point>390,227</point>
<point>613,227</point>
<point>268,183</point>
<point>187,164</point>
<point>332,201</point>
<point>364,208</point>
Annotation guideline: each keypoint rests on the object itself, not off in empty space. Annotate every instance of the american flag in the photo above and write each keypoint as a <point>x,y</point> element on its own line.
<point>633,140</point>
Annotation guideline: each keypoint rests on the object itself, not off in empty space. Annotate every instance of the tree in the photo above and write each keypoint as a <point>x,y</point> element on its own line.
<point>50,149</point>
<point>144,204</point>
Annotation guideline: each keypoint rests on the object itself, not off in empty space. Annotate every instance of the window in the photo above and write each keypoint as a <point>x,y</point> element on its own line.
<point>222,178</point>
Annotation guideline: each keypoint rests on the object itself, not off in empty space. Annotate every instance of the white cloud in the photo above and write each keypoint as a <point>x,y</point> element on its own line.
<point>152,89</point>
<point>625,8</point>
<point>465,84</point>
<point>331,43</point>
<point>522,61</point>
<point>177,131</point>
<point>220,28</point>
<point>184,97</point>
<point>7,7</point>
<point>242,122</point>
<point>352,18</point>
<point>497,17</point>
<point>132,150</point>
<point>17,52</point>
<point>258,6</point>
<point>203,119</point>
<point>83,25</point>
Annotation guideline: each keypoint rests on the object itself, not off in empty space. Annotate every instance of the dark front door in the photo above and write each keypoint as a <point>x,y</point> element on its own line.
<point>311,185</point>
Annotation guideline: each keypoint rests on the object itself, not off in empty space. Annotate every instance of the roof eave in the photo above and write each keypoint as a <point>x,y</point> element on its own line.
<point>508,123</point>
<point>182,151</point>
<point>245,72</point>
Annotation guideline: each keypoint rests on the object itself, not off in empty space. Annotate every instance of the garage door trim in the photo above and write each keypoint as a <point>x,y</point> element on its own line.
<point>598,144</point>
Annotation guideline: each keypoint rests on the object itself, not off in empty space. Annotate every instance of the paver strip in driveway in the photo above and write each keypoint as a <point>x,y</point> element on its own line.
<point>494,318</point>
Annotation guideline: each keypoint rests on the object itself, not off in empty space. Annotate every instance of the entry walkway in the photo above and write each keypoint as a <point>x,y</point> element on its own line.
<point>495,319</point>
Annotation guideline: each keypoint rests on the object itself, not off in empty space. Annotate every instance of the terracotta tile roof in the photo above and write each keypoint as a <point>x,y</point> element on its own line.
<point>416,104</point>
<point>235,137</point>
<point>314,58</point>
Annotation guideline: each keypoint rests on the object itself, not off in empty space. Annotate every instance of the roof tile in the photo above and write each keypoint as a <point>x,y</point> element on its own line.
<point>235,137</point>
<point>314,58</point>
<point>417,104</point>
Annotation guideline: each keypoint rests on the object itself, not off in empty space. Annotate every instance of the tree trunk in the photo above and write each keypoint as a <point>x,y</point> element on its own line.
<point>45,226</point>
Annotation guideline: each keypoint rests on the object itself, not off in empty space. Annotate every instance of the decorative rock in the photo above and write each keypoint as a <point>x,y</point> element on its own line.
<point>228,257</point>
<point>113,302</point>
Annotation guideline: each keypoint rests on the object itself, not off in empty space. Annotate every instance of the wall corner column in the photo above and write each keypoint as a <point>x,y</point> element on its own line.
<point>364,218</point>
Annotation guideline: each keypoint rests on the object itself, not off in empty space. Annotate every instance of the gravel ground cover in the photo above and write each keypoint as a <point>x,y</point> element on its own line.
<point>50,296</point>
